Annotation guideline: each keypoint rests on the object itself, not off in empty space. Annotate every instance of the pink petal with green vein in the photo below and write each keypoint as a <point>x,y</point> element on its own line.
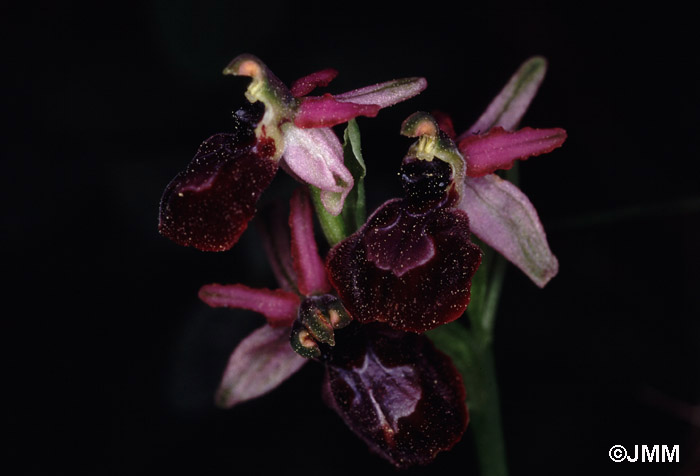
<point>279,307</point>
<point>261,362</point>
<point>385,94</point>
<point>316,157</point>
<point>305,85</point>
<point>503,217</point>
<point>326,111</point>
<point>498,149</point>
<point>307,263</point>
<point>510,105</point>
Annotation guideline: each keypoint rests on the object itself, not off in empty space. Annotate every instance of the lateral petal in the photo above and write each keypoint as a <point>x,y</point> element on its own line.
<point>260,363</point>
<point>503,217</point>
<point>498,149</point>
<point>326,111</point>
<point>278,306</point>
<point>305,85</point>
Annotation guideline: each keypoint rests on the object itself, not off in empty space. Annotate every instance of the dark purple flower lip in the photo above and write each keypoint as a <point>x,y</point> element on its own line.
<point>411,264</point>
<point>412,272</point>
<point>209,204</point>
<point>397,392</point>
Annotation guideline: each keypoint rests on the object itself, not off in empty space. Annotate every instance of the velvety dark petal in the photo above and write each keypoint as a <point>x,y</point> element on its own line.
<point>305,85</point>
<point>209,204</point>
<point>326,111</point>
<point>397,392</point>
<point>411,271</point>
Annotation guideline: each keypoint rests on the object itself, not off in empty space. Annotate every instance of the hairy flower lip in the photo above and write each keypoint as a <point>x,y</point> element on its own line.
<point>409,291</point>
<point>398,393</point>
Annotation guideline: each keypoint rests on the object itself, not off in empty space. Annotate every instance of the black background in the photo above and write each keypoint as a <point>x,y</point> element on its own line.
<point>112,361</point>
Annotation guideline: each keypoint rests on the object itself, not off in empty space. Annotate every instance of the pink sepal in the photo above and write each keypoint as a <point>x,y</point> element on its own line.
<point>385,94</point>
<point>498,148</point>
<point>503,217</point>
<point>511,103</point>
<point>260,363</point>
<point>315,156</point>
<point>279,307</point>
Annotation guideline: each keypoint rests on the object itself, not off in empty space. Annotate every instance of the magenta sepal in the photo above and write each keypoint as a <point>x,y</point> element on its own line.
<point>326,111</point>
<point>411,271</point>
<point>403,397</point>
<point>498,148</point>
<point>308,83</point>
<point>260,363</point>
<point>311,274</point>
<point>278,306</point>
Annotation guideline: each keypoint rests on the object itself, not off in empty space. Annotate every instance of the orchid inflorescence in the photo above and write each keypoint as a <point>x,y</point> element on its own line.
<point>363,311</point>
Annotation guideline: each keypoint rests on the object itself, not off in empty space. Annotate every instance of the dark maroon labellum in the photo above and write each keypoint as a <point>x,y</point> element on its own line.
<point>209,204</point>
<point>397,392</point>
<point>411,271</point>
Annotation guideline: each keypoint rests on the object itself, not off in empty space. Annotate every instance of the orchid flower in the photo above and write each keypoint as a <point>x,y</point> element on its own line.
<point>209,204</point>
<point>500,214</point>
<point>394,389</point>
<point>411,264</point>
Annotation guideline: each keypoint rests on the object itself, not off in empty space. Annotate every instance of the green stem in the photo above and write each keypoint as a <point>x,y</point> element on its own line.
<point>471,349</point>
<point>486,415</point>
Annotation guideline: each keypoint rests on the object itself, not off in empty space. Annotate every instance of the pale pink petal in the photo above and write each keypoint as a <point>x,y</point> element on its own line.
<point>498,149</point>
<point>279,307</point>
<point>503,217</point>
<point>510,105</point>
<point>385,94</point>
<point>305,85</point>
<point>307,263</point>
<point>261,362</point>
<point>315,156</point>
<point>326,111</point>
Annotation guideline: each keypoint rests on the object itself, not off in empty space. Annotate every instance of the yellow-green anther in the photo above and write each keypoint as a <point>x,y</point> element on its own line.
<point>433,143</point>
